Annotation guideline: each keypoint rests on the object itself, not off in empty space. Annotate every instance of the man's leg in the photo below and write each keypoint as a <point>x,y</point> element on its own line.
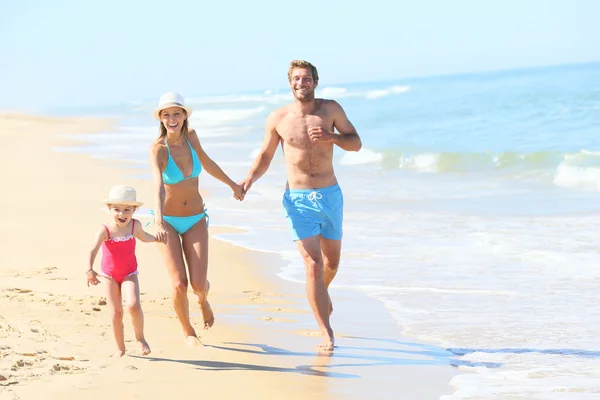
<point>316,292</point>
<point>330,254</point>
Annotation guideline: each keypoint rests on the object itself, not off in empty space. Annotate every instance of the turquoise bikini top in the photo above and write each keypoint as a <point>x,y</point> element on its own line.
<point>172,175</point>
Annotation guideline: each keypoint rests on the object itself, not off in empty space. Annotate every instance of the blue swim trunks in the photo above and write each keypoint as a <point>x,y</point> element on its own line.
<point>311,212</point>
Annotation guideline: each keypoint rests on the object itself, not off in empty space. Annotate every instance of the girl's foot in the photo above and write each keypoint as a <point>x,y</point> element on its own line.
<point>118,354</point>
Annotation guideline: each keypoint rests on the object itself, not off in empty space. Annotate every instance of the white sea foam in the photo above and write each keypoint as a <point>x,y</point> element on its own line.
<point>364,156</point>
<point>267,97</point>
<point>577,177</point>
<point>426,162</point>
<point>579,170</point>
<point>335,92</point>
<point>375,94</point>
<point>216,118</point>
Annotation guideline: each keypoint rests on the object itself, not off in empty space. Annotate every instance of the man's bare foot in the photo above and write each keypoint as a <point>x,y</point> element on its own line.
<point>118,354</point>
<point>144,347</point>
<point>327,344</point>
<point>193,341</point>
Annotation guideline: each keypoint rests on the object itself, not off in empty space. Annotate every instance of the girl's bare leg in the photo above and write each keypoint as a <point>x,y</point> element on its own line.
<point>115,305</point>
<point>130,289</point>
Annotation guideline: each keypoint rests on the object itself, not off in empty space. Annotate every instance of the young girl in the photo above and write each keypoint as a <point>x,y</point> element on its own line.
<point>119,264</point>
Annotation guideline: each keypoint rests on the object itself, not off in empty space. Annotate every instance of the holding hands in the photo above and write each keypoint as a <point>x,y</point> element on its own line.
<point>160,233</point>
<point>238,191</point>
<point>245,185</point>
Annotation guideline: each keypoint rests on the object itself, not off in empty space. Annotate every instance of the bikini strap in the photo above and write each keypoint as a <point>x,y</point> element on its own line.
<point>107,231</point>
<point>132,225</point>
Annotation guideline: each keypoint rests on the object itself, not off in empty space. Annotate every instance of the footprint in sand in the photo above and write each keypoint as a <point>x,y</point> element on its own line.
<point>66,369</point>
<point>269,318</point>
<point>310,333</point>
<point>64,358</point>
<point>7,381</point>
<point>49,270</point>
<point>257,299</point>
<point>21,364</point>
<point>285,310</point>
<point>18,290</point>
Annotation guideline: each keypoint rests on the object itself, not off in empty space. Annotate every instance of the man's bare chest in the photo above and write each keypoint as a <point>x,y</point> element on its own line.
<point>294,129</point>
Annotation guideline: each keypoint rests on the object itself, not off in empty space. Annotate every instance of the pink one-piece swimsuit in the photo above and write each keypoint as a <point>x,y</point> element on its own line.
<point>118,256</point>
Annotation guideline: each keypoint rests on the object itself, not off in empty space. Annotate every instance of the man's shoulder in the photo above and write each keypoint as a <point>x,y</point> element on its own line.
<point>277,115</point>
<point>328,103</point>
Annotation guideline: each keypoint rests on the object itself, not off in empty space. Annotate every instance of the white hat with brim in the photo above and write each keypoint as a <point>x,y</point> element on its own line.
<point>169,100</point>
<point>122,194</point>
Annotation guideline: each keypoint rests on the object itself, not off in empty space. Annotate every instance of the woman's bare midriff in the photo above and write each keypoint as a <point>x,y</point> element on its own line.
<point>183,199</point>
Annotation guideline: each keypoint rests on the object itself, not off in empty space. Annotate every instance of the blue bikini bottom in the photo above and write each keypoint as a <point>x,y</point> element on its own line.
<point>183,224</point>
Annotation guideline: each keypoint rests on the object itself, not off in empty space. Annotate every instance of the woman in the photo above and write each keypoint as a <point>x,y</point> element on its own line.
<point>176,159</point>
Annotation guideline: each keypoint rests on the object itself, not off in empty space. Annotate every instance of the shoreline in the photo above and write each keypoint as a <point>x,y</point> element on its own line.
<point>252,304</point>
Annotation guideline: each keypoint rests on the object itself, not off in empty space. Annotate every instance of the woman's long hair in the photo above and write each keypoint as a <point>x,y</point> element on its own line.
<point>162,131</point>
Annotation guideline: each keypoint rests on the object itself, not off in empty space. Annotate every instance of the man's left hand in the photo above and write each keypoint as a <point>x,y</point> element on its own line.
<point>318,134</point>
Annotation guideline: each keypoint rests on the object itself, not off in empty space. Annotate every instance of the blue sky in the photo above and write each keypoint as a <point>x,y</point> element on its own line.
<point>67,52</point>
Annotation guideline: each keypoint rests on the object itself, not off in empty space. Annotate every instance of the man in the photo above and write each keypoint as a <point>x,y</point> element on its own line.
<point>313,201</point>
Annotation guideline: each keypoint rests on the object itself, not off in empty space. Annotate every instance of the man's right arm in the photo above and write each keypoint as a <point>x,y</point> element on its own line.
<point>267,151</point>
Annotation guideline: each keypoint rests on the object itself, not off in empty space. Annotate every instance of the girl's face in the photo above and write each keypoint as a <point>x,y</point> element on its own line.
<point>172,118</point>
<point>121,214</point>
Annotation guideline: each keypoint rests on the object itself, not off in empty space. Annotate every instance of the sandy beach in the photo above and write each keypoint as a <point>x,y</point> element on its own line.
<point>55,337</point>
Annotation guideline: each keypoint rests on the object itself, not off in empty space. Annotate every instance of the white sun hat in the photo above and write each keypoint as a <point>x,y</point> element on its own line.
<point>122,194</point>
<point>171,99</point>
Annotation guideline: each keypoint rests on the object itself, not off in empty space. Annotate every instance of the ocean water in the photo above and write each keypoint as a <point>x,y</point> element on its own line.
<point>471,213</point>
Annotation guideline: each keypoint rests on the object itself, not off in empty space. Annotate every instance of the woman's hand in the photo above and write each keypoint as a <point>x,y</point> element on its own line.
<point>160,233</point>
<point>238,191</point>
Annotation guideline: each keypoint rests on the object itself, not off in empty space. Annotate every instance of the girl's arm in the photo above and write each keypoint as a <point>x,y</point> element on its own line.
<point>141,234</point>
<point>90,273</point>
<point>211,167</point>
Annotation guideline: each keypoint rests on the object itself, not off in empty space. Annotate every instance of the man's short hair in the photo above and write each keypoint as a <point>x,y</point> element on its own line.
<point>295,64</point>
